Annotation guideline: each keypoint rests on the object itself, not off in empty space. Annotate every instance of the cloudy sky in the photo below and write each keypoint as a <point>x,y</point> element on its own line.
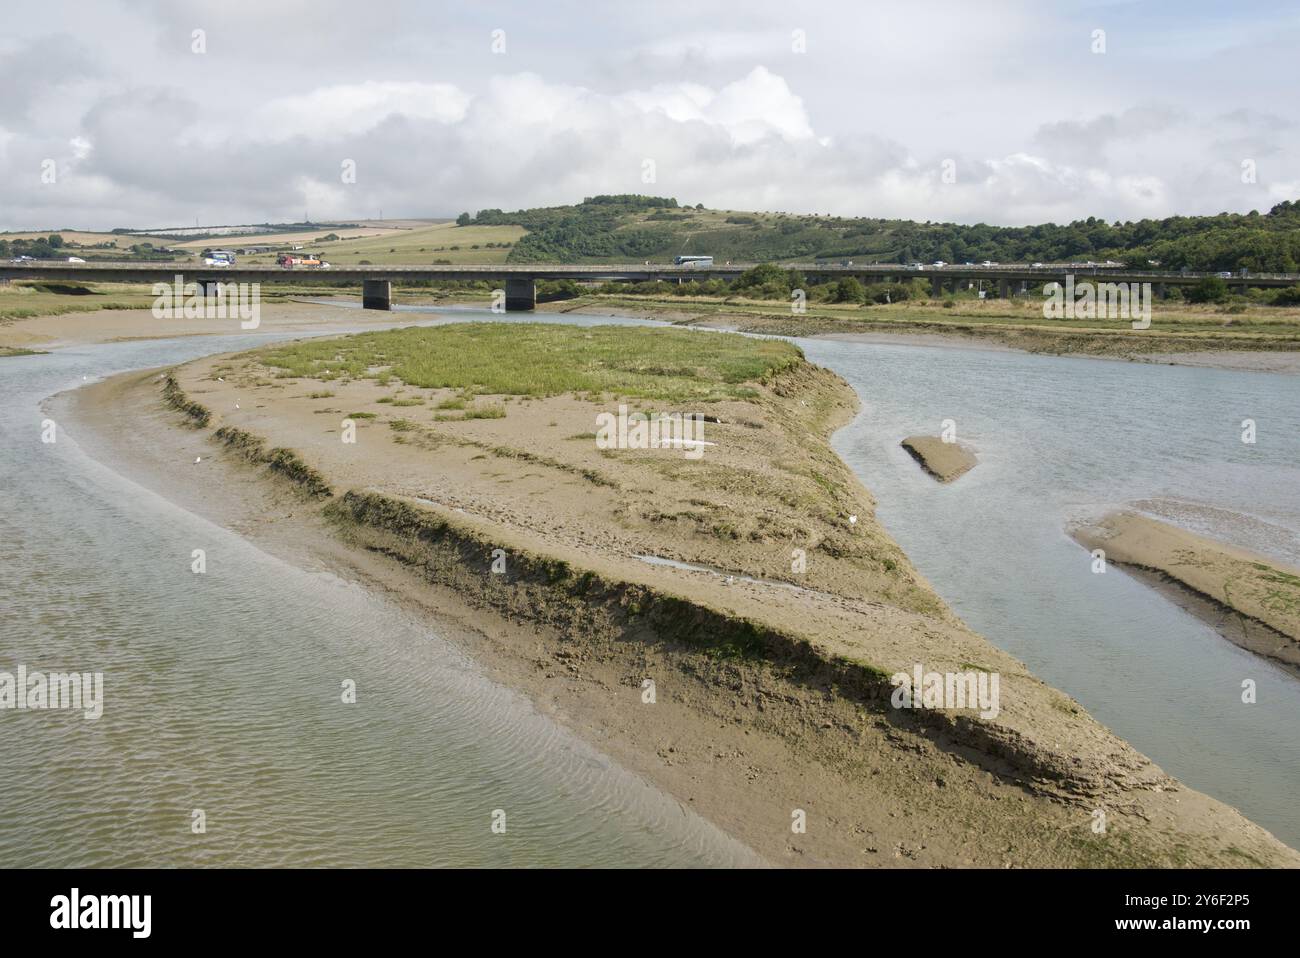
<point>1001,112</point>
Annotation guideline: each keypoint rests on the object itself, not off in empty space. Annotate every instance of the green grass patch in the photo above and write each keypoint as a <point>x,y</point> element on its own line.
<point>535,359</point>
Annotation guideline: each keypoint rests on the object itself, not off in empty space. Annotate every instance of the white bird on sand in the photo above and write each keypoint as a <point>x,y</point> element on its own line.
<point>853,520</point>
<point>198,459</point>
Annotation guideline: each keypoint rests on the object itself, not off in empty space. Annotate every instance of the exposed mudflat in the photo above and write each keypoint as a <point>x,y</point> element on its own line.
<point>1260,595</point>
<point>743,742</point>
<point>744,739</point>
<point>945,461</point>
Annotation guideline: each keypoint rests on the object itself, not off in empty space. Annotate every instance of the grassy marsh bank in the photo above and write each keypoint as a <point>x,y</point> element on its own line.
<point>793,662</point>
<point>1017,323</point>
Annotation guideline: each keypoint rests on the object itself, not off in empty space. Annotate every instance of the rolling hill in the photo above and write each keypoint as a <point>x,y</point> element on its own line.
<point>631,227</point>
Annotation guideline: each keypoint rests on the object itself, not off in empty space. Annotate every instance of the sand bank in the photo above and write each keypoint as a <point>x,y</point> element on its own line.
<point>1261,595</point>
<point>773,685</point>
<point>117,325</point>
<point>945,461</point>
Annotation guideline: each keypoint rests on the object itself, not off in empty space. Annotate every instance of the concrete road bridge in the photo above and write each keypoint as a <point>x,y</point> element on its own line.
<point>519,282</point>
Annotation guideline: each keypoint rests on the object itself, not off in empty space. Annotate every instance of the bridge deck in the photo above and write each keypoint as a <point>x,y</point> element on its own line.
<point>190,272</point>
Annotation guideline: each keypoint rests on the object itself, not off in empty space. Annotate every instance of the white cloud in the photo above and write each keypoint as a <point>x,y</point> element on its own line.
<point>146,132</point>
<point>344,109</point>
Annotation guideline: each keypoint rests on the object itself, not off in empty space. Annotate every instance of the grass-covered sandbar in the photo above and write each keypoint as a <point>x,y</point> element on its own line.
<point>727,619</point>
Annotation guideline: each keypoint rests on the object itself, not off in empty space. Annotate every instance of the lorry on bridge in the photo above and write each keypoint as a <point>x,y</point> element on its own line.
<point>305,261</point>
<point>703,262</point>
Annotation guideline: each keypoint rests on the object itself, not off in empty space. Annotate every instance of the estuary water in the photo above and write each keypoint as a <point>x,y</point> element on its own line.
<point>222,691</point>
<point>223,694</point>
<point>1061,439</point>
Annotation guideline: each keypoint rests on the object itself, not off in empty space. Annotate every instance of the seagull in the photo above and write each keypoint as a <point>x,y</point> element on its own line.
<point>221,379</point>
<point>853,520</point>
<point>198,459</point>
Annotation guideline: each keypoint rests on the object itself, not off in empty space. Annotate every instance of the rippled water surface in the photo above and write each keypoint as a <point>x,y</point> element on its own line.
<point>223,693</point>
<point>223,689</point>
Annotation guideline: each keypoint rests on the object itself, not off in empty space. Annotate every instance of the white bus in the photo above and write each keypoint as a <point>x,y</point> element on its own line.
<point>702,261</point>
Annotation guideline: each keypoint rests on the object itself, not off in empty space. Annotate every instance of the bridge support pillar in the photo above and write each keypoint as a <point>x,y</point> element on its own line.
<point>1159,290</point>
<point>521,295</point>
<point>1004,289</point>
<point>376,294</point>
<point>936,287</point>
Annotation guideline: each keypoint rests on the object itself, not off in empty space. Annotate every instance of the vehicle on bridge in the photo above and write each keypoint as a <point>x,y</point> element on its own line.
<point>306,261</point>
<point>218,257</point>
<point>700,261</point>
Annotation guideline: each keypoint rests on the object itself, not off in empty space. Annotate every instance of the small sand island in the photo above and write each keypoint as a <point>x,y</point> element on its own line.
<point>721,613</point>
<point>945,461</point>
<point>1252,600</point>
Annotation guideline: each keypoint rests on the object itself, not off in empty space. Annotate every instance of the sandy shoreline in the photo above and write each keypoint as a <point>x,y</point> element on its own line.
<point>1260,596</point>
<point>122,325</point>
<point>741,743</point>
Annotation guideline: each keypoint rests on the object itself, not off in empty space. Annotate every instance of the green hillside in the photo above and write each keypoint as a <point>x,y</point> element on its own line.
<point>630,228</point>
